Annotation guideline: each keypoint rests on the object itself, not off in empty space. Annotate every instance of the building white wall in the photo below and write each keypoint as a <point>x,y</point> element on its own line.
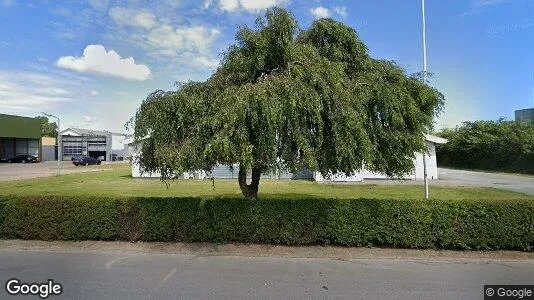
<point>135,151</point>
<point>418,172</point>
<point>225,172</point>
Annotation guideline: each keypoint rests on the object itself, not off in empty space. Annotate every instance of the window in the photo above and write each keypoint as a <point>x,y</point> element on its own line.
<point>33,147</point>
<point>96,141</point>
<point>72,150</point>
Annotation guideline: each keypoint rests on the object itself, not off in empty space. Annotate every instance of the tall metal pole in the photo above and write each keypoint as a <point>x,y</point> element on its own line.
<point>59,148</point>
<point>425,171</point>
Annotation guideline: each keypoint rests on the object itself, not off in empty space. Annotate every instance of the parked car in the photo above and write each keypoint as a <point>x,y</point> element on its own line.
<point>84,160</point>
<point>23,158</point>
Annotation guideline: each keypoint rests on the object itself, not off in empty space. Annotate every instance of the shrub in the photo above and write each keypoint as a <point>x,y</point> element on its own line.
<point>59,218</point>
<point>465,224</point>
<point>500,145</point>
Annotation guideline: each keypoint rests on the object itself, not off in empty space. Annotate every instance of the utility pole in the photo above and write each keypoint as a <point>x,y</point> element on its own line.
<point>425,171</point>
<point>59,146</point>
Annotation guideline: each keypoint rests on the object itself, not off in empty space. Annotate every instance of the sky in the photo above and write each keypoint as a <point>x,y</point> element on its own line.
<point>93,62</point>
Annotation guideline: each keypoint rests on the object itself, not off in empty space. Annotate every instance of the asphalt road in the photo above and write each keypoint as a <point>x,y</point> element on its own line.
<point>133,275</point>
<point>49,168</point>
<point>518,183</point>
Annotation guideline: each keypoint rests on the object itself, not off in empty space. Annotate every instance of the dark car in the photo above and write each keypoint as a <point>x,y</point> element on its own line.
<point>23,158</point>
<point>84,160</point>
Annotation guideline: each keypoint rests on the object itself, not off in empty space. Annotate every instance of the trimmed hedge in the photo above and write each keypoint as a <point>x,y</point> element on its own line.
<point>359,222</point>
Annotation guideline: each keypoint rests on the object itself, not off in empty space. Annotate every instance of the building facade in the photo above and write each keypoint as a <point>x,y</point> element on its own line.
<point>524,115</point>
<point>48,148</point>
<point>94,143</point>
<point>227,172</point>
<point>77,141</point>
<point>19,135</point>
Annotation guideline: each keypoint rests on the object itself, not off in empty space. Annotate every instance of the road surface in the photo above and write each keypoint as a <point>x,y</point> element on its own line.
<point>517,183</point>
<point>139,275</point>
<point>450,177</point>
<point>17,171</point>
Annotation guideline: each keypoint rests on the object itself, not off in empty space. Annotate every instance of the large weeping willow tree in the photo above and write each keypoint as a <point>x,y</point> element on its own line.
<point>286,99</point>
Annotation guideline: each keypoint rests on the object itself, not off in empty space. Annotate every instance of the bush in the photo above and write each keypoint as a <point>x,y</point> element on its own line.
<point>59,218</point>
<point>359,222</point>
<point>501,145</point>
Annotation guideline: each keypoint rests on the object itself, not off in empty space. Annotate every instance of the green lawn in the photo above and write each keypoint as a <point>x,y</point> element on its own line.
<point>118,182</point>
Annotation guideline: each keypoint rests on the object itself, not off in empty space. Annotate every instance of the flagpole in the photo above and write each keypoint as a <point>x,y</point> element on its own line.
<point>425,171</point>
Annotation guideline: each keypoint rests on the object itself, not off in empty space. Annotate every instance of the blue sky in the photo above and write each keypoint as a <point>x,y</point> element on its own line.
<point>93,62</point>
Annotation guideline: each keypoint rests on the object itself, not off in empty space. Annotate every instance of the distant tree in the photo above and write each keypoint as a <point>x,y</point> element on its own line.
<point>47,128</point>
<point>286,99</point>
<point>489,145</point>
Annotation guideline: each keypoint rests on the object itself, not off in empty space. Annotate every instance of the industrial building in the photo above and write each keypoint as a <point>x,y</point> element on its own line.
<point>227,172</point>
<point>19,135</point>
<point>94,143</point>
<point>524,115</point>
<point>48,148</point>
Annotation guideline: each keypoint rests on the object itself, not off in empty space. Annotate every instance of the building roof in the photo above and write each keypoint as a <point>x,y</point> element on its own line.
<point>19,127</point>
<point>86,132</point>
<point>130,139</point>
<point>435,139</point>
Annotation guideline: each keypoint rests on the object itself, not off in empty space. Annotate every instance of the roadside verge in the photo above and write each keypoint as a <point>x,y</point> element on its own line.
<point>262,250</point>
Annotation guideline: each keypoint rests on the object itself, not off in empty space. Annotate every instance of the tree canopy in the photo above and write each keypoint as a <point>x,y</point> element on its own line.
<point>285,98</point>
<point>47,128</point>
<point>489,145</point>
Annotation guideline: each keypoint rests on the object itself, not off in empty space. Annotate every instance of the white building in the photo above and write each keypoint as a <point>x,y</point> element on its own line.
<point>226,172</point>
<point>417,173</point>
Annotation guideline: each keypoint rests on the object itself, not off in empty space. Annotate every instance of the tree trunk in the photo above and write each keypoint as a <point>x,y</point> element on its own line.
<point>250,191</point>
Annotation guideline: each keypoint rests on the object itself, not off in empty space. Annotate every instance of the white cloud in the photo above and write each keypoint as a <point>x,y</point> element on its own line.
<point>170,41</point>
<point>341,10</point>
<point>7,3</point>
<point>252,6</point>
<point>174,3</point>
<point>229,5</point>
<point>52,91</point>
<point>99,4</point>
<point>88,119</point>
<point>93,93</point>
<point>162,40</point>
<point>97,60</point>
<point>478,5</point>
<point>132,17</point>
<point>27,92</point>
<point>207,4</point>
<point>204,61</point>
<point>320,12</point>
<point>481,3</point>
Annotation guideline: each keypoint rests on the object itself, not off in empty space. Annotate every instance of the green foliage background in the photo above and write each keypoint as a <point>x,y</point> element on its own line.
<point>500,145</point>
<point>47,128</point>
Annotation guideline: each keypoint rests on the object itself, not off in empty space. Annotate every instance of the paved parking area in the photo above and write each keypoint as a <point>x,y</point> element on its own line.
<point>450,177</point>
<point>25,171</point>
<point>517,183</point>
